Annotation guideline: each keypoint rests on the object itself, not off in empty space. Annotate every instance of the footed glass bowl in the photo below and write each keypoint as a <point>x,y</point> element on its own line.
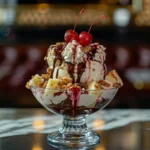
<point>74,104</point>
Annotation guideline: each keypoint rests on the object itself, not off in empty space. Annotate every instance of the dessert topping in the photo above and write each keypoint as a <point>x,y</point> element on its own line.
<point>71,34</point>
<point>85,38</point>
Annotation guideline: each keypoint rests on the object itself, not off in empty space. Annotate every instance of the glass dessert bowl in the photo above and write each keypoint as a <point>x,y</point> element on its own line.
<point>75,85</point>
<point>74,104</point>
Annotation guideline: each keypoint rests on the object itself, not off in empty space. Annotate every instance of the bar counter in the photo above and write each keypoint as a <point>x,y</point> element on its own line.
<point>119,129</point>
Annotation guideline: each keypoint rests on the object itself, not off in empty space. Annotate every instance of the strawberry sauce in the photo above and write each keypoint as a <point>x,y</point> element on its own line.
<point>75,96</point>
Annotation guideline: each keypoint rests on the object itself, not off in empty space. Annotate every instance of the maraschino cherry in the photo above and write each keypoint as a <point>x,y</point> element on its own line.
<point>85,38</point>
<point>71,34</point>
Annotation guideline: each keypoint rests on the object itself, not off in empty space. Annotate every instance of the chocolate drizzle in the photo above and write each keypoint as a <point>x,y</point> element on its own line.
<point>74,70</point>
<point>71,70</point>
<point>81,69</point>
<point>58,48</point>
<point>92,52</point>
<point>57,73</point>
<point>74,54</point>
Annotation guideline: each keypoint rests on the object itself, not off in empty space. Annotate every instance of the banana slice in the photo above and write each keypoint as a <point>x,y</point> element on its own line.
<point>51,87</point>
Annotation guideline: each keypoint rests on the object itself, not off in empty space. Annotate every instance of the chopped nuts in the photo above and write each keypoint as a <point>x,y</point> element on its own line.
<point>60,43</point>
<point>96,86</point>
<point>86,49</point>
<point>63,87</point>
<point>49,71</point>
<point>68,80</point>
<point>45,76</point>
<point>63,83</point>
<point>75,85</point>
<point>69,85</point>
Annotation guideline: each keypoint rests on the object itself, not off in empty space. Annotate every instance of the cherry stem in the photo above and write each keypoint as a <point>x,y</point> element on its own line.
<point>103,16</point>
<point>77,18</point>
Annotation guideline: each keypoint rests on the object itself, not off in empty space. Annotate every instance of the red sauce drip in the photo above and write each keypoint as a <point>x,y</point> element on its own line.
<point>74,54</point>
<point>41,94</point>
<point>80,69</point>
<point>75,96</point>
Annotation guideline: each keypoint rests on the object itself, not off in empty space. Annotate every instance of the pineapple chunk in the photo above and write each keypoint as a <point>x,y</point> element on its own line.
<point>114,78</point>
<point>96,87</point>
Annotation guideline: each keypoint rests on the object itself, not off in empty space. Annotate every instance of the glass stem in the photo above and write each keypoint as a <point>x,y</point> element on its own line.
<point>75,126</point>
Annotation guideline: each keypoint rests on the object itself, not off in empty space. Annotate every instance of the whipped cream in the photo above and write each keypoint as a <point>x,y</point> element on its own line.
<point>73,53</point>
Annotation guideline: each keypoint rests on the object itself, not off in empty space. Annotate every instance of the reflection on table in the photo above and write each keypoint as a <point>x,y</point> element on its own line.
<point>119,129</point>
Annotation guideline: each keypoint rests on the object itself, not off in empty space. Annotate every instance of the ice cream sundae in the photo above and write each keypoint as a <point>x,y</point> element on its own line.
<point>76,80</point>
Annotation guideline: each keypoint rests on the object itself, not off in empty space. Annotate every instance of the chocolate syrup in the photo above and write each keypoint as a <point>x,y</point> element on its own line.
<point>82,85</point>
<point>92,52</point>
<point>74,54</point>
<point>57,94</point>
<point>70,112</point>
<point>58,48</point>
<point>71,70</point>
<point>81,69</point>
<point>66,109</point>
<point>57,73</point>
<point>69,106</point>
<point>105,69</point>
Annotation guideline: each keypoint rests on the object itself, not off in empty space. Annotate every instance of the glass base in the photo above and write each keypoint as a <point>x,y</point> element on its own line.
<point>73,133</point>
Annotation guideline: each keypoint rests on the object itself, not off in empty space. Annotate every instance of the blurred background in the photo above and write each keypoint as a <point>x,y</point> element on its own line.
<point>28,27</point>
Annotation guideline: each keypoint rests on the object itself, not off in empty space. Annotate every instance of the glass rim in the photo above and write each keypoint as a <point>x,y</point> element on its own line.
<point>63,90</point>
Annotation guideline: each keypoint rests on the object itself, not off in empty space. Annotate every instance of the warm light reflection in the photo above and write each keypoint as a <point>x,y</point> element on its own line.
<point>98,123</point>
<point>43,15</point>
<point>100,147</point>
<point>37,147</point>
<point>139,85</point>
<point>132,137</point>
<point>43,8</point>
<point>38,125</point>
